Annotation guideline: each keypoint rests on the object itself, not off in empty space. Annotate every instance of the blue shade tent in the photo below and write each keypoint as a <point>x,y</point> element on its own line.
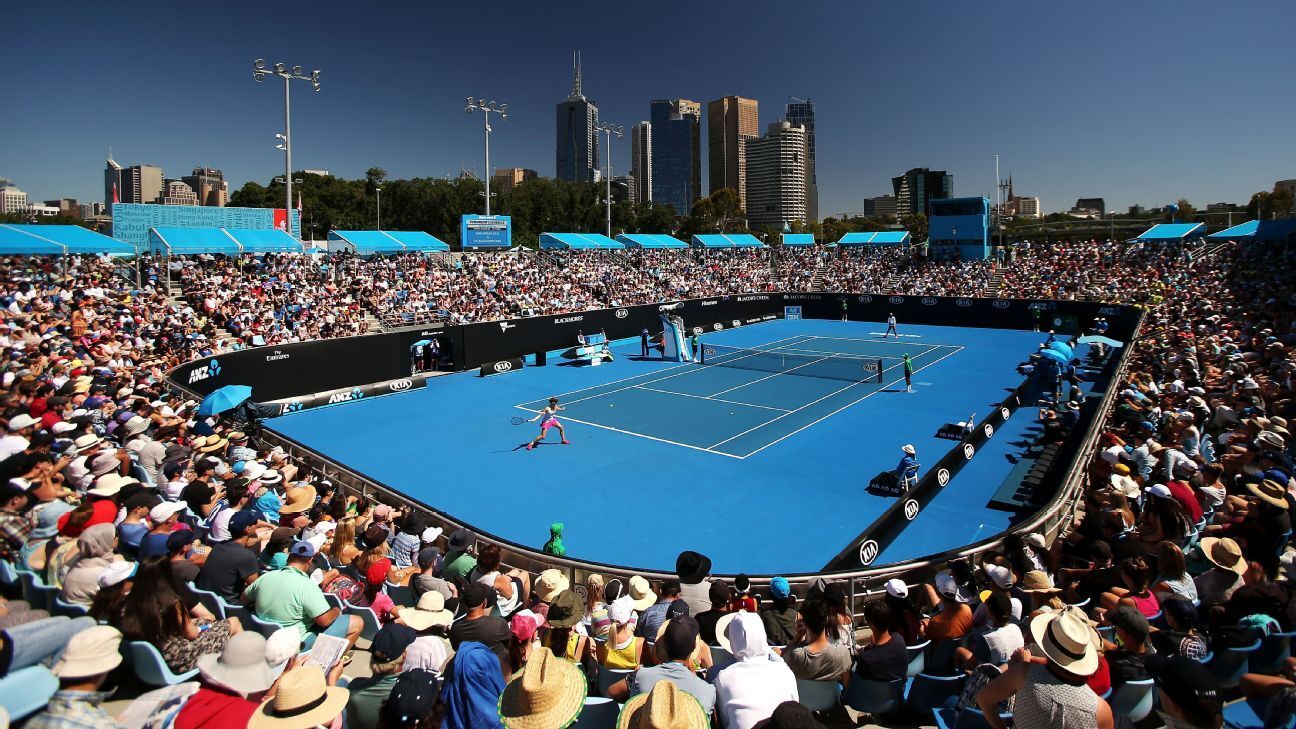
<point>186,241</point>
<point>879,238</point>
<point>645,240</point>
<point>57,240</point>
<point>265,240</point>
<point>1172,232</point>
<point>726,240</point>
<point>366,242</point>
<point>798,239</point>
<point>1280,231</point>
<point>578,241</point>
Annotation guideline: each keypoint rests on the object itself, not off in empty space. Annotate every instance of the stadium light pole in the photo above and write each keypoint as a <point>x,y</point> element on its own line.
<point>378,190</point>
<point>487,108</point>
<point>609,130</point>
<point>259,72</point>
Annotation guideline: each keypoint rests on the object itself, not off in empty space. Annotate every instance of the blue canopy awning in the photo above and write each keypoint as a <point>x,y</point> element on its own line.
<point>187,241</point>
<point>646,240</point>
<point>798,239</point>
<point>877,238</point>
<point>19,238</point>
<point>578,241</point>
<point>265,240</point>
<point>387,241</point>
<point>726,240</point>
<point>1165,232</point>
<point>1279,231</point>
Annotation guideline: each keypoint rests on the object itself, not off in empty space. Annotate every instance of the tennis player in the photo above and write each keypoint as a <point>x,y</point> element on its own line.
<point>549,418</point>
<point>891,326</point>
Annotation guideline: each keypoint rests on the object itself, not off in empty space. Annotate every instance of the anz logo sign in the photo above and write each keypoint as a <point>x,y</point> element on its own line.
<point>354,394</point>
<point>206,372</point>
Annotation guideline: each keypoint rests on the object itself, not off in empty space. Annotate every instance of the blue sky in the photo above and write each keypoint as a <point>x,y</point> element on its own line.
<point>1136,102</point>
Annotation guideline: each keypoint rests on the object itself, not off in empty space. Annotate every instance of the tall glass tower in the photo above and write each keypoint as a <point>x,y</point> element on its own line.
<point>802,112</point>
<point>577,157</point>
<point>676,153</point>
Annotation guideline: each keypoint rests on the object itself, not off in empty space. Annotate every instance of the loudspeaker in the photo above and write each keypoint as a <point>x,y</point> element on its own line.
<point>541,359</point>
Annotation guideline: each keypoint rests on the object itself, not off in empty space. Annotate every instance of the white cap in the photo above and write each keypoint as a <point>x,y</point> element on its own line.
<point>1160,490</point>
<point>165,510</point>
<point>896,588</point>
<point>1001,576</point>
<point>20,421</point>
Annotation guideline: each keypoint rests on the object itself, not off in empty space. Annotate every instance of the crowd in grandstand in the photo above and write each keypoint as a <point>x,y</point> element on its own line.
<point>132,526</point>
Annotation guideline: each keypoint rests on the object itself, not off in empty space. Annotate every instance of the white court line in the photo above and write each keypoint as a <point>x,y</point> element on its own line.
<point>713,399</point>
<point>888,341</point>
<point>883,334</point>
<point>803,407</point>
<point>847,405</point>
<point>843,355</point>
<point>646,382</point>
<point>641,435</point>
<point>769,377</point>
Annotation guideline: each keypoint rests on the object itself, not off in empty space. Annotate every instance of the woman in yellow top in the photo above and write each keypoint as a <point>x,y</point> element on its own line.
<point>564,613</point>
<point>621,650</point>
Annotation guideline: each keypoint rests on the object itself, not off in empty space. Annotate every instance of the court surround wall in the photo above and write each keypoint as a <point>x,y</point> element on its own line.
<point>330,365</point>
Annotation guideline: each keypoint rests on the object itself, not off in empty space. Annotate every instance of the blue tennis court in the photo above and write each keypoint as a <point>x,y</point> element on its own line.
<point>759,460</point>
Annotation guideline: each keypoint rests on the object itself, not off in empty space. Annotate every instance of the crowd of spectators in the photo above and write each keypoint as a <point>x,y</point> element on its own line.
<point>128,518</point>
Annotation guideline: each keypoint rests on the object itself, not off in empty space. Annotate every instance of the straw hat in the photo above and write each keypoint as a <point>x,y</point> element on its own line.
<point>212,444</point>
<point>1270,492</point>
<point>698,645</point>
<point>1064,638</point>
<point>665,707</point>
<point>641,593</point>
<point>549,694</point>
<point>549,584</point>
<point>1037,581</point>
<point>300,499</point>
<point>304,700</point>
<point>1224,553</point>
<point>430,611</point>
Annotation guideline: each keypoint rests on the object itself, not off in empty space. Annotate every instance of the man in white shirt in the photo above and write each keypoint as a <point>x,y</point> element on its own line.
<point>21,427</point>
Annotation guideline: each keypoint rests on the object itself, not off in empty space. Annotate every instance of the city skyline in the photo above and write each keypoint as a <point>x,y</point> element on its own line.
<point>1123,115</point>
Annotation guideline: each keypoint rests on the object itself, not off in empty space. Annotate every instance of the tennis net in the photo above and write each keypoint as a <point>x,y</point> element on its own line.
<point>832,367</point>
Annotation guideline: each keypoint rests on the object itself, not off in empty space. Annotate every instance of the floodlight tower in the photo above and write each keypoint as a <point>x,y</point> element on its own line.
<point>609,130</point>
<point>486,108</point>
<point>259,72</point>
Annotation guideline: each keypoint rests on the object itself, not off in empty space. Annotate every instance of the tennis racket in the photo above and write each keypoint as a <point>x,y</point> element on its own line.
<point>517,420</point>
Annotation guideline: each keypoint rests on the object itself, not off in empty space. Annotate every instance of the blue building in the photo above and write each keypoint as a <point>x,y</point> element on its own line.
<point>577,157</point>
<point>960,226</point>
<point>676,153</point>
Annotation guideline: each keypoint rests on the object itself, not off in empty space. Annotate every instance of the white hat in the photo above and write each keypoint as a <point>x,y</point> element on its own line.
<point>62,427</point>
<point>621,609</point>
<point>1160,490</point>
<point>116,572</point>
<point>87,441</point>
<point>91,652</point>
<point>907,448</point>
<point>20,421</point>
<point>135,426</point>
<point>110,483</point>
<point>896,588</point>
<point>948,586</point>
<point>165,510</point>
<point>253,470</point>
<point>269,476</point>
<point>1036,540</point>
<point>1001,576</point>
<point>431,534</point>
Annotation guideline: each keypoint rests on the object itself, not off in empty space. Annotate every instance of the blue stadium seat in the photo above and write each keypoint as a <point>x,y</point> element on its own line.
<point>875,697</point>
<point>26,691</point>
<point>818,695</point>
<point>71,610</point>
<point>1133,700</point>
<point>151,668</point>
<point>1249,714</point>
<point>917,658</point>
<point>264,627</point>
<point>1231,663</point>
<point>210,600</point>
<point>609,676</point>
<point>969,718</point>
<point>1273,653</point>
<point>598,713</point>
<point>370,619</point>
<point>927,693</point>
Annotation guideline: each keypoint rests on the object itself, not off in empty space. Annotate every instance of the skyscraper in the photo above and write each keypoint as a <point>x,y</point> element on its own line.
<point>776,176</point>
<point>577,150</point>
<point>802,112</point>
<point>731,121</point>
<point>676,153</point>
<point>135,184</point>
<point>641,167</point>
<point>209,186</point>
<point>919,186</point>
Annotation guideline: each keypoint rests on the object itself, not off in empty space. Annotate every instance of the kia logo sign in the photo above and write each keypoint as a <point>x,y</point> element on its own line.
<point>929,301</point>
<point>698,330</point>
<point>866,299</point>
<point>968,451</point>
<point>717,326</point>
<point>989,430</point>
<point>868,551</point>
<point>708,351</point>
<point>622,313</point>
<point>965,303</point>
<point>1001,304</point>
<point>504,366</point>
<point>896,299</point>
<point>737,323</point>
<point>942,476</point>
<point>911,509</point>
<point>1004,412</point>
<point>400,385</point>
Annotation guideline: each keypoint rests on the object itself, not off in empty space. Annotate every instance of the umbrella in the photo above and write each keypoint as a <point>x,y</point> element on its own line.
<point>1100,340</point>
<point>1062,349</point>
<point>1049,354</point>
<point>225,398</point>
<point>422,343</point>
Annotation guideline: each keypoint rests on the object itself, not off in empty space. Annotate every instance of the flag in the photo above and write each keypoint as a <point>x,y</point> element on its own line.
<point>299,205</point>
<point>114,191</point>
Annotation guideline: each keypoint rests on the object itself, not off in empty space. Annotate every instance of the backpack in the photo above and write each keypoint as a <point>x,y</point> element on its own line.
<point>351,591</point>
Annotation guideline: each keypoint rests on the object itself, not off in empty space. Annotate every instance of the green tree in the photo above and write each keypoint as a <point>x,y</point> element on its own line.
<point>916,224</point>
<point>1187,211</point>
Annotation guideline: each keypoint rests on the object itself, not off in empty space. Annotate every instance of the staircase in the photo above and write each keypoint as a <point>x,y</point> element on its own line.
<point>816,283</point>
<point>992,288</point>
